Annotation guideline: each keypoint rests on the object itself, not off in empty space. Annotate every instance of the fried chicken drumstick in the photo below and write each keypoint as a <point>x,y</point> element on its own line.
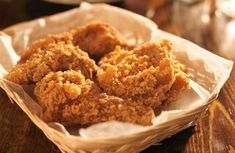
<point>67,97</point>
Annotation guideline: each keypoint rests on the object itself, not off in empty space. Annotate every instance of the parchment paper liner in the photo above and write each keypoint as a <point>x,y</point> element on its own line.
<point>207,71</point>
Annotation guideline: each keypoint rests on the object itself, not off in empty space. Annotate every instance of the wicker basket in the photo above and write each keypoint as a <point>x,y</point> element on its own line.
<point>136,29</point>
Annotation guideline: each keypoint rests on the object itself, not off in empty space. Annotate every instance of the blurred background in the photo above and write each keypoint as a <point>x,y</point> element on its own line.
<point>208,23</point>
<point>201,21</point>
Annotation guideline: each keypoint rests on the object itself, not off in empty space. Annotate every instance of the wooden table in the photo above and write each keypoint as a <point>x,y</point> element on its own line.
<point>215,130</point>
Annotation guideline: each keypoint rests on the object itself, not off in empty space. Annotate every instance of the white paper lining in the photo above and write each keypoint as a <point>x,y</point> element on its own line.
<point>207,71</point>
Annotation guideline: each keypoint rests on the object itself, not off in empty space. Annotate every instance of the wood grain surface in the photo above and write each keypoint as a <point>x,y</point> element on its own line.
<point>215,130</point>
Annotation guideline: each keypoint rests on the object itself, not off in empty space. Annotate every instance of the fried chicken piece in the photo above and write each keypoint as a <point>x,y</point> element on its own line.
<point>98,38</point>
<point>180,84</point>
<point>67,97</point>
<point>95,38</point>
<point>55,57</point>
<point>146,74</point>
<point>43,44</point>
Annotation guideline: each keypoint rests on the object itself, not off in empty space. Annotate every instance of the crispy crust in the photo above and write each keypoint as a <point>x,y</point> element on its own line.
<point>43,43</point>
<point>129,84</point>
<point>148,74</point>
<point>98,38</point>
<point>55,57</point>
<point>69,98</point>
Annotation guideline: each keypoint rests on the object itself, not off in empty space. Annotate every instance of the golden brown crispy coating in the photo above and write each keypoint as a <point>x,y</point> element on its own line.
<point>98,38</point>
<point>55,57</point>
<point>69,98</point>
<point>147,74</point>
<point>43,44</point>
<point>130,83</point>
<point>180,84</point>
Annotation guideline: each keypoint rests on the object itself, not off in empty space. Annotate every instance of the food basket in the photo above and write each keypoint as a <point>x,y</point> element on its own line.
<point>208,73</point>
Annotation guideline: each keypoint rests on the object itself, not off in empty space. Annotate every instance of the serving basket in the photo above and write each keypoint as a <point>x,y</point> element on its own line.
<point>208,73</point>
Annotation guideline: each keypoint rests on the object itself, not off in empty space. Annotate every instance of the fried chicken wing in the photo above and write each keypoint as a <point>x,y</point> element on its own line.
<point>68,97</point>
<point>98,38</point>
<point>55,57</point>
<point>147,73</point>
